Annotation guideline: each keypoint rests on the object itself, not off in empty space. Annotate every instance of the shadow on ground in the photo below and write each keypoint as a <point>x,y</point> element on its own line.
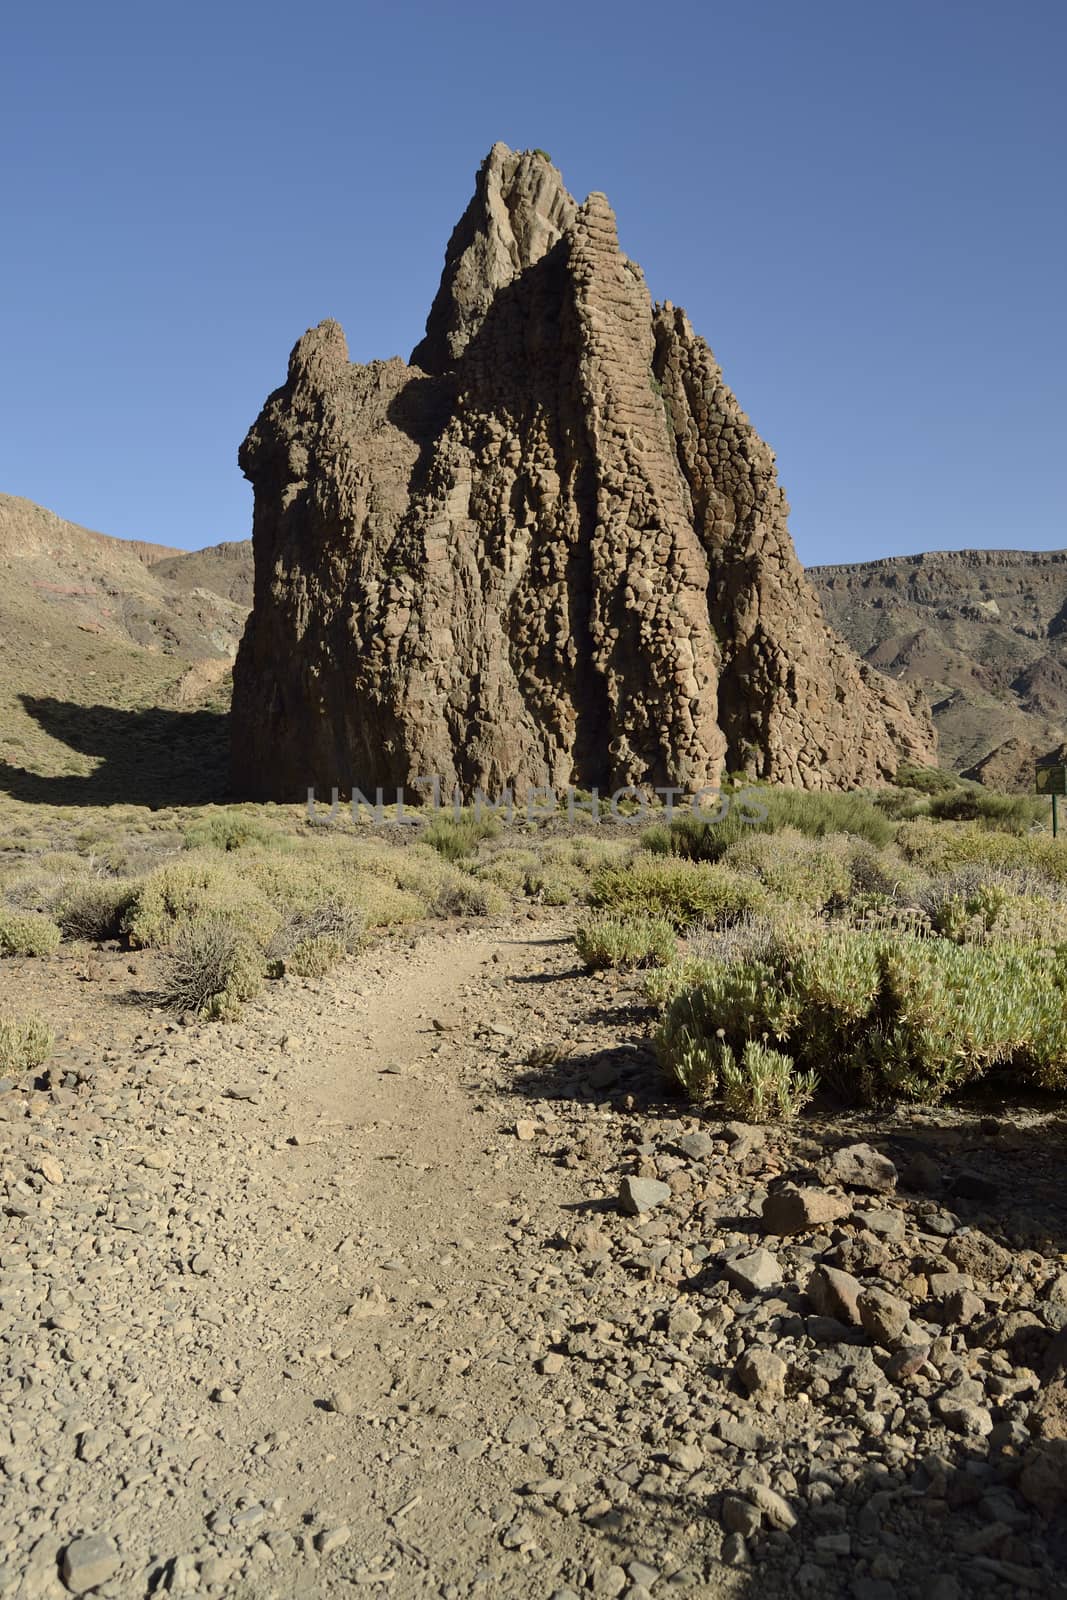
<point>154,757</point>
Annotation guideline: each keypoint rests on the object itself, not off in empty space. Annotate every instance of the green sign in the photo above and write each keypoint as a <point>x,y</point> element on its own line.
<point>1052,780</point>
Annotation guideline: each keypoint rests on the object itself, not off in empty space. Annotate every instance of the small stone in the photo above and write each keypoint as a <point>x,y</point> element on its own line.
<point>50,1169</point>
<point>743,1139</point>
<point>638,1195</point>
<point>835,1294</point>
<point>762,1374</point>
<point>88,1562</point>
<point>922,1175</point>
<point>776,1509</point>
<point>327,1540</point>
<point>791,1210</point>
<point>740,1516</point>
<point>525,1130</point>
<point>697,1146</point>
<point>883,1316</point>
<point>202,1263</point>
<point>640,1572</point>
<point>341,1402</point>
<point>687,1457</point>
<point>734,1551</point>
<point>551,1364</point>
<point>683,1321</point>
<point>861,1166</point>
<point>751,1273</point>
<point>959,1309</point>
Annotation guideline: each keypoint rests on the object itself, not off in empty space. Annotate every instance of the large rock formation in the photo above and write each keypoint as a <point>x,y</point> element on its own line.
<point>550,550</point>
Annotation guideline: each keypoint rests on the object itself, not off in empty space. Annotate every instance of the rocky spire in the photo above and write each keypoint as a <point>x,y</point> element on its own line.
<point>552,550</point>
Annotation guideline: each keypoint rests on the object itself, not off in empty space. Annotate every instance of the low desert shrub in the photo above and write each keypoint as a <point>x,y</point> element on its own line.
<point>684,892</point>
<point>764,1085</point>
<point>315,939</point>
<point>792,866</point>
<point>455,838</point>
<point>228,830</point>
<point>209,966</point>
<point>1014,813</point>
<point>626,942</point>
<point>94,908</point>
<point>877,1014</point>
<point>939,848</point>
<point>313,957</point>
<point>27,933</point>
<point>25,1042</point>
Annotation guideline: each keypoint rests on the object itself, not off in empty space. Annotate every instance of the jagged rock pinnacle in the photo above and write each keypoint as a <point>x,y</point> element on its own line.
<point>551,550</point>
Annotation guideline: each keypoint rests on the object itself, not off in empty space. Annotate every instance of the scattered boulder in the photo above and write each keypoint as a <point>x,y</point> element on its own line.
<point>883,1316</point>
<point>638,1195</point>
<point>861,1166</point>
<point>789,1210</point>
<point>89,1561</point>
<point>751,1273</point>
<point>835,1294</point>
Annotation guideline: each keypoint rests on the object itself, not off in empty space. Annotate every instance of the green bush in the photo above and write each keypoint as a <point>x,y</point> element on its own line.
<point>313,957</point>
<point>940,848</point>
<point>1014,813</point>
<point>24,1043</point>
<point>764,1085</point>
<point>454,838</point>
<point>792,866</point>
<point>685,892</point>
<point>27,933</point>
<point>228,830</point>
<point>95,908</point>
<point>877,1014</point>
<point>636,941</point>
<point>925,780</point>
<point>209,966</point>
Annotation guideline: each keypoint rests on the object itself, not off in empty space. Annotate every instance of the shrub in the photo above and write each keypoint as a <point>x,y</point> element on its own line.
<point>976,905</point>
<point>26,933</point>
<point>792,866</point>
<point>194,887</point>
<point>940,848</point>
<point>1014,813</point>
<point>209,966</point>
<point>876,1014</point>
<point>625,942</point>
<point>227,830</point>
<point>95,908</point>
<point>694,838</point>
<point>926,780</point>
<point>313,957</point>
<point>685,892</point>
<point>457,837</point>
<point>764,1086</point>
<point>24,1043</point>
<point>324,933</point>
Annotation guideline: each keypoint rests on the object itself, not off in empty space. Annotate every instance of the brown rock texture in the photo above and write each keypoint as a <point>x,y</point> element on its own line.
<point>981,633</point>
<point>551,550</point>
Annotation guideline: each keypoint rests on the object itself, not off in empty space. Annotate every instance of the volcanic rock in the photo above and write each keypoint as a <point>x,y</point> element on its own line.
<point>552,550</point>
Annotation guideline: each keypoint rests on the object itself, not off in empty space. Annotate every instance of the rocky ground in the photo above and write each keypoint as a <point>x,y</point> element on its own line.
<point>415,1282</point>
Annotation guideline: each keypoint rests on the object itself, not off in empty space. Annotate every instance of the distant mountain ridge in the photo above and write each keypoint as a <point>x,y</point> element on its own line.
<point>87,620</point>
<point>982,632</point>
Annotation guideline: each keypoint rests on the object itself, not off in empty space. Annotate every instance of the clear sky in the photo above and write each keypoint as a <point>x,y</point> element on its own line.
<point>860,204</point>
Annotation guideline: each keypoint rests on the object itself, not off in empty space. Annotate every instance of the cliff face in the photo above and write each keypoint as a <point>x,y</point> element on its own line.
<point>551,550</point>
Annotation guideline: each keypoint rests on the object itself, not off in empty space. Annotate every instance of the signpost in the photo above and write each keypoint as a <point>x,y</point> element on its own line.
<point>1053,781</point>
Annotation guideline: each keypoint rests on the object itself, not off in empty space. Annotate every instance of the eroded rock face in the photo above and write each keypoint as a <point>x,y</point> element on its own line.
<point>551,550</point>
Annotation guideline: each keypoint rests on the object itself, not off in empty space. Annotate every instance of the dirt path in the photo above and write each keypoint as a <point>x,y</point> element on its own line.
<point>341,1298</point>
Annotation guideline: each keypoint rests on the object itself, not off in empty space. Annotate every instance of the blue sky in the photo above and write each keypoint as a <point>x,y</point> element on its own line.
<point>860,205</point>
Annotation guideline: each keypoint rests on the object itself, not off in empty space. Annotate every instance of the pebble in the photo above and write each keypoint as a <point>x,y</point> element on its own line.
<point>89,1561</point>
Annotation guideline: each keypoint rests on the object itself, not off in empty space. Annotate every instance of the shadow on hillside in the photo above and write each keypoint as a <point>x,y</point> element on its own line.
<point>155,757</point>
